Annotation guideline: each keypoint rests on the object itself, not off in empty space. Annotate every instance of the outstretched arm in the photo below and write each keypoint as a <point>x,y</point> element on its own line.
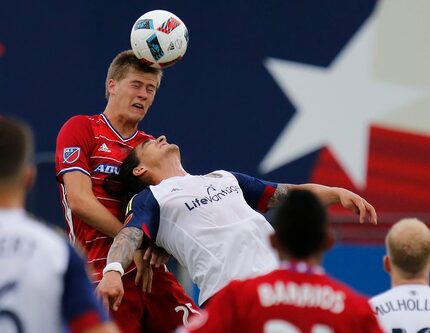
<point>329,196</point>
<point>110,288</point>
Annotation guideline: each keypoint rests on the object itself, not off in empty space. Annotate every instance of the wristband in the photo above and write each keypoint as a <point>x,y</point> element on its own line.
<point>114,266</point>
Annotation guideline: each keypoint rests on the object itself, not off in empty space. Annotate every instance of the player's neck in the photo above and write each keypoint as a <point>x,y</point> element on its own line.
<point>121,124</point>
<point>398,280</point>
<point>11,197</point>
<point>169,170</point>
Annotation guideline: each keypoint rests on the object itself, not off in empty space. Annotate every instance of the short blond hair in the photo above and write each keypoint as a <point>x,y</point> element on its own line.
<point>408,246</point>
<point>123,63</point>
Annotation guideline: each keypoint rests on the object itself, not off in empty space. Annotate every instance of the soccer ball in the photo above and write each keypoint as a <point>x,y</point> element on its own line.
<point>159,38</point>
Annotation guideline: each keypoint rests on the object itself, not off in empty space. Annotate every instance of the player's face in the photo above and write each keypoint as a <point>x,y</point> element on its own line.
<point>152,153</point>
<point>133,95</point>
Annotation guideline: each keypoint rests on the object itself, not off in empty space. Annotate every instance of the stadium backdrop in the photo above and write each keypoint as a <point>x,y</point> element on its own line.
<point>276,89</point>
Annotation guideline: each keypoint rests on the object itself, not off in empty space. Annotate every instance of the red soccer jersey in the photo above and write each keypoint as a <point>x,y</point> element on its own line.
<point>89,144</point>
<point>286,301</point>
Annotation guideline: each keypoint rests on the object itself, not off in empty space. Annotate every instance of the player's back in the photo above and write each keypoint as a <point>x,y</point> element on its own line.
<point>302,300</point>
<point>33,260</point>
<point>404,308</point>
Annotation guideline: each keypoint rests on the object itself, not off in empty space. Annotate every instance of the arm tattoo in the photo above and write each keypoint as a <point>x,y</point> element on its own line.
<point>124,245</point>
<point>278,196</point>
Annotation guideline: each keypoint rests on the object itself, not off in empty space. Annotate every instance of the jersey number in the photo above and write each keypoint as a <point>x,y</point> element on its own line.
<point>282,326</point>
<point>186,308</point>
<point>9,321</point>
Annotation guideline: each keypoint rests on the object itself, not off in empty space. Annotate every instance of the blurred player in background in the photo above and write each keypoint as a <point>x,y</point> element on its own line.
<point>406,306</point>
<point>208,223</point>
<point>299,297</point>
<point>43,281</point>
<point>90,149</point>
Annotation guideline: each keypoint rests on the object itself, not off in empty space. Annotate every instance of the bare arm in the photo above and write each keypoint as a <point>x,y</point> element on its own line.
<point>329,196</point>
<point>124,245</point>
<point>110,288</point>
<point>85,205</point>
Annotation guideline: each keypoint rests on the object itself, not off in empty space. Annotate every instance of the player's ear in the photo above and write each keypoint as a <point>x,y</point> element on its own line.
<point>29,176</point>
<point>330,240</point>
<point>139,171</point>
<point>387,264</point>
<point>274,241</point>
<point>111,86</point>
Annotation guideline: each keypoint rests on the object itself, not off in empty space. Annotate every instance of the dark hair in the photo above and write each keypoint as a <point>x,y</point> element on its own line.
<point>125,185</point>
<point>16,147</point>
<point>300,223</point>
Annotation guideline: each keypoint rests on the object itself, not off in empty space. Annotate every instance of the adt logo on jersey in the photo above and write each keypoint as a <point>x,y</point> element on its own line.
<point>71,154</point>
<point>107,169</point>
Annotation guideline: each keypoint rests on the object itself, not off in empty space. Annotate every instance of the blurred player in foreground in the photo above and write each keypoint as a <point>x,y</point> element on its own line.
<point>406,306</point>
<point>43,282</point>
<point>90,149</point>
<point>299,297</point>
<point>208,223</point>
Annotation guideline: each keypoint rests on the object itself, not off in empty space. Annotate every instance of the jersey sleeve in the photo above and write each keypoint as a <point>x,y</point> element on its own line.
<point>80,308</point>
<point>143,211</point>
<point>257,192</point>
<point>74,146</point>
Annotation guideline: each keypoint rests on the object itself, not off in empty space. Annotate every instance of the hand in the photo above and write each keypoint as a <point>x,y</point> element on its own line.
<point>144,271</point>
<point>358,205</point>
<point>156,255</point>
<point>110,290</point>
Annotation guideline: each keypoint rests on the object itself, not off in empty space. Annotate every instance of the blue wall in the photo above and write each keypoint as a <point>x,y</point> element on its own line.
<point>219,103</point>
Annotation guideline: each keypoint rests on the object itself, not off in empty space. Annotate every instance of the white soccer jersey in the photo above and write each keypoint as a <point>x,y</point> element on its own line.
<point>208,225</point>
<point>43,283</point>
<point>404,309</point>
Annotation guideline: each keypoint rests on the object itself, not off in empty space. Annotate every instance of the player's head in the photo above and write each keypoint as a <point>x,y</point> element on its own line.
<point>408,248</point>
<point>125,62</point>
<point>150,162</point>
<point>130,88</point>
<point>301,226</point>
<point>17,170</point>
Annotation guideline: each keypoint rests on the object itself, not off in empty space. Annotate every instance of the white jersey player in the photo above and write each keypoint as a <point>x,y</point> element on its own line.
<point>406,307</point>
<point>189,215</point>
<point>208,223</point>
<point>43,283</point>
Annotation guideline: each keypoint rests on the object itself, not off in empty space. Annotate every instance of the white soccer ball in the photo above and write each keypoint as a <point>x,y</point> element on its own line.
<point>159,38</point>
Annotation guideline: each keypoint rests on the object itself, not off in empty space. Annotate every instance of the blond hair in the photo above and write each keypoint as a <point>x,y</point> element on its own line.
<point>408,246</point>
<point>123,63</point>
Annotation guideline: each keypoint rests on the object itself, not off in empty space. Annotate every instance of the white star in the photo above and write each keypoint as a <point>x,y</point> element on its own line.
<point>335,106</point>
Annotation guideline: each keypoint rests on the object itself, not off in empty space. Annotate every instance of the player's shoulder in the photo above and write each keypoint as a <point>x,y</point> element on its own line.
<point>43,230</point>
<point>220,174</point>
<point>143,136</point>
<point>79,122</point>
<point>143,197</point>
<point>50,242</point>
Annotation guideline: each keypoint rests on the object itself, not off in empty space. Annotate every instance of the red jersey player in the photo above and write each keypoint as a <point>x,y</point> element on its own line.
<point>299,297</point>
<point>91,149</point>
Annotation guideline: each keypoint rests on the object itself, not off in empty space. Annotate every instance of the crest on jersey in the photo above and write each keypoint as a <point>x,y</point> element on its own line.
<point>71,154</point>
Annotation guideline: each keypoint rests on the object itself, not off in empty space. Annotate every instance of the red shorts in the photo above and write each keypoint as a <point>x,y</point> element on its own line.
<point>161,311</point>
